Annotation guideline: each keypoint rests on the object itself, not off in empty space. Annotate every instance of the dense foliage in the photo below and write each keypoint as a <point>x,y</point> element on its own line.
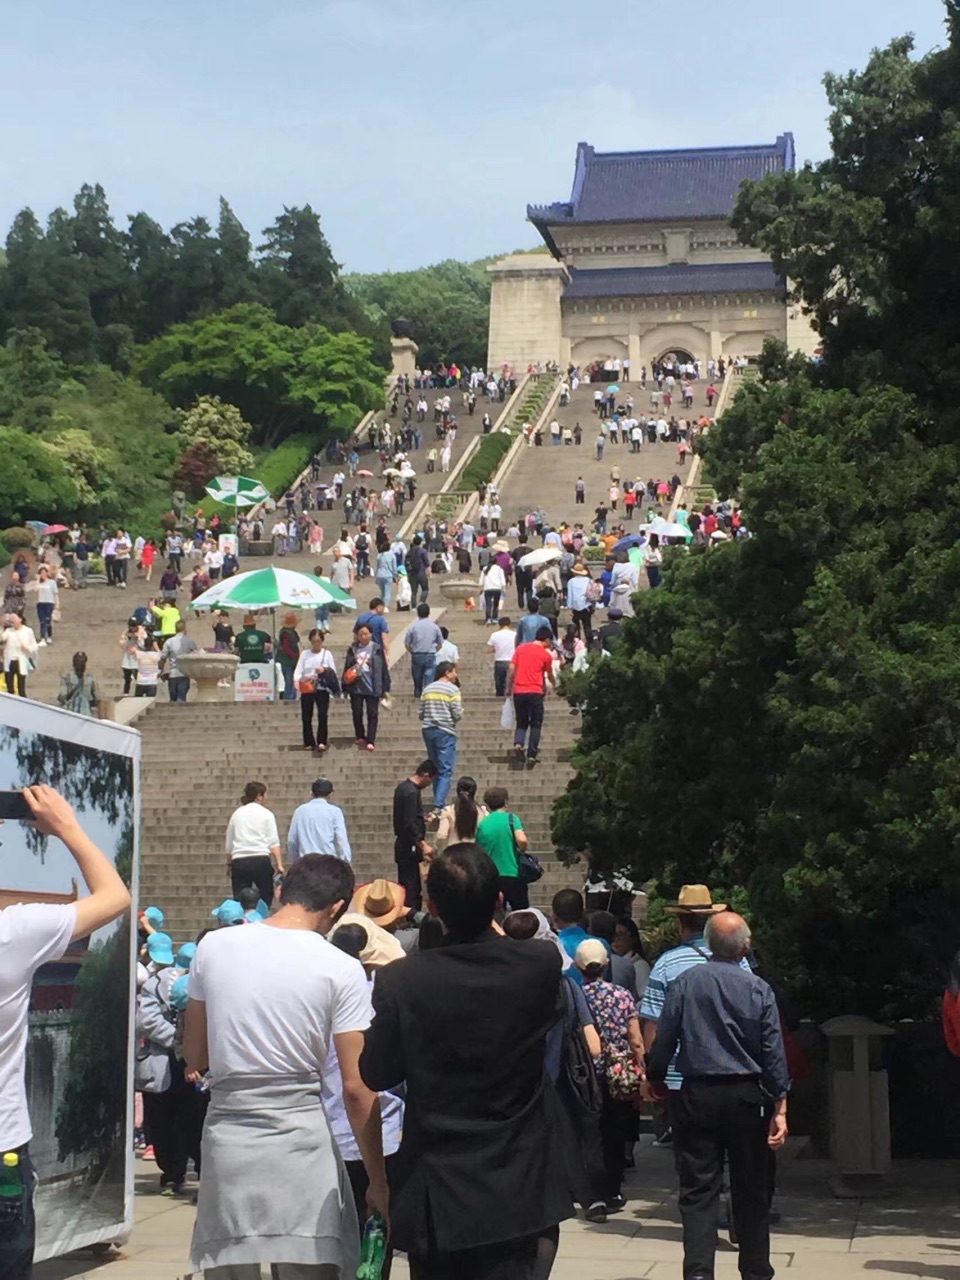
<point>447,304</point>
<point>110,338</point>
<point>782,718</point>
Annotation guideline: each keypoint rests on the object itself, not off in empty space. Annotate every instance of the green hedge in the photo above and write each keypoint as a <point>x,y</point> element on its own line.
<point>18,538</point>
<point>278,468</point>
<point>486,460</point>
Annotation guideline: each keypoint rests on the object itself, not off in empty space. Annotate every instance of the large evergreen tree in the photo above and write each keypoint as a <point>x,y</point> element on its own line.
<point>782,717</point>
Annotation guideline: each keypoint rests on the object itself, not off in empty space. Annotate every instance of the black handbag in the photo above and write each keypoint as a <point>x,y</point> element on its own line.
<point>529,869</point>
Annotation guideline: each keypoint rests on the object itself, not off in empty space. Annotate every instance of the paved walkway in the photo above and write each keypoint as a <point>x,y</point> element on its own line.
<point>913,1231</point>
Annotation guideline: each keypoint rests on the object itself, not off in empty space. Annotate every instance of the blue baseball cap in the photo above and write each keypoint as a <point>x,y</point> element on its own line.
<point>154,916</point>
<point>160,948</point>
<point>179,995</point>
<point>258,913</point>
<point>228,912</point>
<point>186,954</point>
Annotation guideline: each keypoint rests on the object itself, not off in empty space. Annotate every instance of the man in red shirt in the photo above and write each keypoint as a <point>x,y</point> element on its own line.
<point>530,665</point>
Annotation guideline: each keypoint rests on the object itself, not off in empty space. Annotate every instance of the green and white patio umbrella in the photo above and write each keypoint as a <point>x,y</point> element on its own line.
<point>237,491</point>
<point>270,589</point>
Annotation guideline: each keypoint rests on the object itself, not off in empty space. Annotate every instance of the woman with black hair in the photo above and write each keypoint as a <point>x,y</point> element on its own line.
<point>627,942</point>
<point>253,844</point>
<point>459,821</point>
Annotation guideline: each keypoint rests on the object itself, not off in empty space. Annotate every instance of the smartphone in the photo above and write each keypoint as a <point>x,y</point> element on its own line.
<point>13,806</point>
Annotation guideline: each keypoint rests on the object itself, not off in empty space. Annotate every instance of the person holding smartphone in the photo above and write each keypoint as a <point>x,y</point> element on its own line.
<point>33,934</point>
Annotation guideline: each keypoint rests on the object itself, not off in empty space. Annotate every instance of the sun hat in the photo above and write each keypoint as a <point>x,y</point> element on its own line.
<point>581,570</point>
<point>228,912</point>
<point>186,954</point>
<point>382,901</point>
<point>695,900</point>
<point>160,948</point>
<point>290,619</point>
<point>257,914</point>
<point>179,994</point>
<point>382,947</point>
<point>590,952</point>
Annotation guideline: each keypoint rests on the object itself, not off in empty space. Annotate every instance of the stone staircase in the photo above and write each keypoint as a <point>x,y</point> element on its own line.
<point>547,476</point>
<point>196,759</point>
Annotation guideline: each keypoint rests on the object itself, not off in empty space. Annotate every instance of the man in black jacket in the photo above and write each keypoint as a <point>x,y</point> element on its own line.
<point>410,845</point>
<point>478,1179</point>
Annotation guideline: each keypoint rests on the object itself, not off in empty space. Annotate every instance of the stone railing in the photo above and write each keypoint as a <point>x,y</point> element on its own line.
<point>690,491</point>
<point>507,462</point>
<point>427,504</point>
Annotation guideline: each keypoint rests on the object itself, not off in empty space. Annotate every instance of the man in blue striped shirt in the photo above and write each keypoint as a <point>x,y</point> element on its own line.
<point>694,908</point>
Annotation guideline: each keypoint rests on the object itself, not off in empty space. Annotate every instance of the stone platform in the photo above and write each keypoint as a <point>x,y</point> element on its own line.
<point>914,1231</point>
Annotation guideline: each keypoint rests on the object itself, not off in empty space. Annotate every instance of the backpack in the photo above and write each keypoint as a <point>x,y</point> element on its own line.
<point>415,562</point>
<point>594,591</point>
<point>360,542</point>
<point>577,1083</point>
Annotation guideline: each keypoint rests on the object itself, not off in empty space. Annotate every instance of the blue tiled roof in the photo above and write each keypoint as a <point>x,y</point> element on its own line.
<point>640,186</point>
<point>629,282</point>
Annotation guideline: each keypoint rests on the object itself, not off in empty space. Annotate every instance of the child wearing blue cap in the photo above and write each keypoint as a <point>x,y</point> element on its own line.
<point>229,912</point>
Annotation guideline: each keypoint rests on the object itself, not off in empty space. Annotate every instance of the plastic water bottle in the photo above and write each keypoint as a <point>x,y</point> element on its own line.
<point>11,1181</point>
<point>373,1249</point>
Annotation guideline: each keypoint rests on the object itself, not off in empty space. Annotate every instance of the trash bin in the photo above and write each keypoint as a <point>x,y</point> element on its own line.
<point>859,1105</point>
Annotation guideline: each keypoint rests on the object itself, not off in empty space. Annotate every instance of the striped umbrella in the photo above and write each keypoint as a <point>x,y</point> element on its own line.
<point>237,491</point>
<point>271,588</point>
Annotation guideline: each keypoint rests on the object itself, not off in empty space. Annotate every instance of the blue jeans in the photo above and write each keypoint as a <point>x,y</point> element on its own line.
<point>322,615</point>
<point>424,667</point>
<point>45,617</point>
<point>288,666</point>
<point>18,1228</point>
<point>178,686</point>
<point>442,750</point>
<point>385,590</point>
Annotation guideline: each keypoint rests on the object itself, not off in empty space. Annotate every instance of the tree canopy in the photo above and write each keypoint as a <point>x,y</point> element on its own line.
<point>782,716</point>
<point>107,332</point>
<point>448,306</point>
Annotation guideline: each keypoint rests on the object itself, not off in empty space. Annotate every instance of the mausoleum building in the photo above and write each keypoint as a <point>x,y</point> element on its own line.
<point>643,261</point>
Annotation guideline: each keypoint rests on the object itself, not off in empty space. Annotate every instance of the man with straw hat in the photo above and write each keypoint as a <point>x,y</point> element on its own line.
<point>693,908</point>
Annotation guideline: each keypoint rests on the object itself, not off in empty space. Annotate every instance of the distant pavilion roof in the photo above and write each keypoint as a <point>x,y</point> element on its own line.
<point>629,282</point>
<point>647,186</point>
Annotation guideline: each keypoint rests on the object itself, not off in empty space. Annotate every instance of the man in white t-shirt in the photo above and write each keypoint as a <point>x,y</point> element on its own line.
<point>502,642</point>
<point>265,1005</point>
<point>32,935</point>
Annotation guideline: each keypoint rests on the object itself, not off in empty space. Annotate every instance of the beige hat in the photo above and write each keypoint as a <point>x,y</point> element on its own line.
<point>696,900</point>
<point>581,570</point>
<point>382,948</point>
<point>591,951</point>
<point>382,901</point>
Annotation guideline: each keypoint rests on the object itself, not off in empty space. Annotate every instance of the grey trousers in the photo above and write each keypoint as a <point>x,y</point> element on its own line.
<point>279,1271</point>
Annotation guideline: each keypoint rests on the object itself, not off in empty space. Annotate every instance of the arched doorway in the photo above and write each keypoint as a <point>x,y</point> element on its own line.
<point>675,355</point>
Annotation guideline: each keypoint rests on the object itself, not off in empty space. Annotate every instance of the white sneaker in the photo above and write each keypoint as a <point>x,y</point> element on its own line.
<point>42,644</point>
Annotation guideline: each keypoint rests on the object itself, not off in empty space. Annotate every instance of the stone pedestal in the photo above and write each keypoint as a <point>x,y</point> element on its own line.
<point>457,590</point>
<point>404,352</point>
<point>207,670</point>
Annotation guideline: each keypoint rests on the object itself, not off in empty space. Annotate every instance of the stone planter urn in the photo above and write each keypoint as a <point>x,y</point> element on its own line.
<point>207,669</point>
<point>457,590</point>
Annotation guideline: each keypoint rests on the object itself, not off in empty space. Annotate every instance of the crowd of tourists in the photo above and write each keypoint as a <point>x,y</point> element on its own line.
<point>542,1037</point>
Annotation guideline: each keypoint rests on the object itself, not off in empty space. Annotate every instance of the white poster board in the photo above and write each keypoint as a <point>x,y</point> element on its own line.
<point>80,1042</point>
<point>228,544</point>
<point>254,682</point>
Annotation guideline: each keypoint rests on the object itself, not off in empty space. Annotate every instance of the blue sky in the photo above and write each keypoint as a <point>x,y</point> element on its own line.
<point>418,130</point>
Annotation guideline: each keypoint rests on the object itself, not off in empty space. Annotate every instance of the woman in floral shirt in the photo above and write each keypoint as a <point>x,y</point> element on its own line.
<point>615,1018</point>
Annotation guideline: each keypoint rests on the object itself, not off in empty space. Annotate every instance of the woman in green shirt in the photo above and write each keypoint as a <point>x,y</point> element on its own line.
<point>501,835</point>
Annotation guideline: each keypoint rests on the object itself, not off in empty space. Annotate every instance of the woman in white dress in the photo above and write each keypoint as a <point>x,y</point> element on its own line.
<point>19,652</point>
